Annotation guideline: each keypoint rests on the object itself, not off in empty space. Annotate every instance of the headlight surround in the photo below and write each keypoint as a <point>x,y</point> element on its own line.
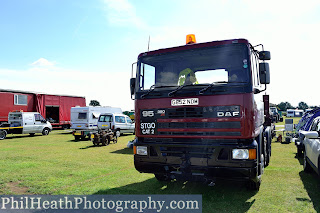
<point>240,154</point>
<point>142,150</point>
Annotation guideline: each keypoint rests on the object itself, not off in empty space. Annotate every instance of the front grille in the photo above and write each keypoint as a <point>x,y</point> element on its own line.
<point>200,133</point>
<point>214,121</point>
<point>213,125</point>
<point>194,112</point>
<point>180,151</point>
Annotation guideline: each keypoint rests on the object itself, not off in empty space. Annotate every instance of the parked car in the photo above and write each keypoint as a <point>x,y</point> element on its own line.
<point>119,123</point>
<point>311,144</point>
<point>304,125</point>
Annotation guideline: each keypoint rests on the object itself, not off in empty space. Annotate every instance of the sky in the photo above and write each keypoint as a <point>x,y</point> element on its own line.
<point>86,48</point>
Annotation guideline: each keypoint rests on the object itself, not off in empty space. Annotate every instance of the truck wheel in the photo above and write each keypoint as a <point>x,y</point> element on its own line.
<point>299,152</point>
<point>306,166</point>
<point>161,177</point>
<point>252,185</point>
<point>262,163</point>
<point>268,150</point>
<point>77,137</point>
<point>3,134</point>
<point>45,131</point>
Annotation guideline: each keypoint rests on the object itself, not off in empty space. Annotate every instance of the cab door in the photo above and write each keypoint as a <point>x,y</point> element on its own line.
<point>37,123</point>
<point>315,147</point>
<point>28,123</point>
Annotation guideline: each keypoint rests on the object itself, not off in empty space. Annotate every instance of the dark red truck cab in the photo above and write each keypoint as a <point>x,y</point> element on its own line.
<point>200,112</point>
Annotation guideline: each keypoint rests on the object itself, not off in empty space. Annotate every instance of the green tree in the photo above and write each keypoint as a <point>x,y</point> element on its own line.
<point>303,105</point>
<point>283,106</point>
<point>94,103</point>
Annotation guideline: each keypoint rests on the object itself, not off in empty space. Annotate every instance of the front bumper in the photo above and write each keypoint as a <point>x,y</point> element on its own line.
<point>195,161</point>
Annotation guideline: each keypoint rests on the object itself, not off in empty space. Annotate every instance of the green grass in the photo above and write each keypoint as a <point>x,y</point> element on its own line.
<point>56,164</point>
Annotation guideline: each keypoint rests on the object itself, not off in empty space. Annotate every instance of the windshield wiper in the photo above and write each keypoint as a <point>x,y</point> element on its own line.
<point>170,94</point>
<point>152,88</point>
<point>218,83</point>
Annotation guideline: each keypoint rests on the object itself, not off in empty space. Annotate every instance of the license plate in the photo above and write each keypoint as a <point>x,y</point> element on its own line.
<point>77,133</point>
<point>105,125</point>
<point>78,126</point>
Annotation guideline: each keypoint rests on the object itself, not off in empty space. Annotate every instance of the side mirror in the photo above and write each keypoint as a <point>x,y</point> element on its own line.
<point>264,55</point>
<point>132,85</point>
<point>264,73</point>
<point>310,134</point>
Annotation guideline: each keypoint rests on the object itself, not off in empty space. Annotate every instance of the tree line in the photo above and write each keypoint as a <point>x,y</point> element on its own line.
<point>283,106</point>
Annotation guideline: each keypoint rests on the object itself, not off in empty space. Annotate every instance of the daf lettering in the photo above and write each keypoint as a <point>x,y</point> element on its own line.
<point>227,114</point>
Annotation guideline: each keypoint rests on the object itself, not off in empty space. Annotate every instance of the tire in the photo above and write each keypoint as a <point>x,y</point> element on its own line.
<point>262,163</point>
<point>3,135</point>
<point>161,177</point>
<point>118,133</point>
<point>306,166</point>
<point>31,134</point>
<point>104,140</point>
<point>77,137</point>
<point>299,152</point>
<point>45,131</point>
<point>252,185</point>
<point>268,151</point>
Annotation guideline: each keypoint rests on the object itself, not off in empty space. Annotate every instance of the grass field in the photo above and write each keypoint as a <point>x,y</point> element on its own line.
<point>57,164</point>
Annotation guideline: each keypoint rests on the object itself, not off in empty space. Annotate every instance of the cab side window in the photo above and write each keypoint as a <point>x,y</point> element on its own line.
<point>37,117</point>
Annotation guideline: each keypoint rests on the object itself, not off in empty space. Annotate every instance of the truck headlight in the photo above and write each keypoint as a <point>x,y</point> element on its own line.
<point>243,154</point>
<point>240,154</point>
<point>141,150</point>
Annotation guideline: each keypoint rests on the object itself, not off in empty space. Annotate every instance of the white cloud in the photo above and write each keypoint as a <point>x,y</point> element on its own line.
<point>42,62</point>
<point>122,13</point>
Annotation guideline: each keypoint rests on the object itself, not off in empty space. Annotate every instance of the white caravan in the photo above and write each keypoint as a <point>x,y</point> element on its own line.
<point>84,119</point>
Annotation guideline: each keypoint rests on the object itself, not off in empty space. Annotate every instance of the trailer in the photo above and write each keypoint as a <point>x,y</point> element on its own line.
<point>54,108</point>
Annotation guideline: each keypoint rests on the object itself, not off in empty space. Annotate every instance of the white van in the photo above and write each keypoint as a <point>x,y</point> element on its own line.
<point>84,119</point>
<point>119,123</point>
<point>25,123</point>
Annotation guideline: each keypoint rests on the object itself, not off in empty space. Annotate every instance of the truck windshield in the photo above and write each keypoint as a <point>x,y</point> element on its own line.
<point>225,63</point>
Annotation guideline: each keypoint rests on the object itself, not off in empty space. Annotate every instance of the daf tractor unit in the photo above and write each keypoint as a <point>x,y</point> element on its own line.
<point>202,112</point>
